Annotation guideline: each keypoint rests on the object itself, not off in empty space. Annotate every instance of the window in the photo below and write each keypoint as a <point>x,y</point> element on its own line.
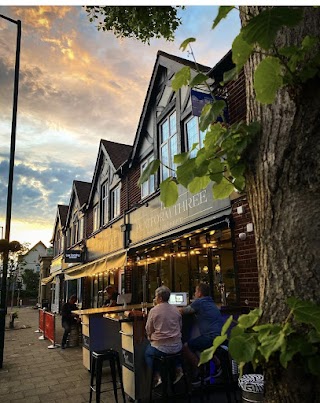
<point>96,217</point>
<point>115,202</point>
<point>147,187</point>
<point>194,135</point>
<point>104,203</point>
<point>168,148</point>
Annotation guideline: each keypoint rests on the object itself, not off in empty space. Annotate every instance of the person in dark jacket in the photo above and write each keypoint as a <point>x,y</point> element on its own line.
<point>111,295</point>
<point>68,318</point>
<point>209,321</point>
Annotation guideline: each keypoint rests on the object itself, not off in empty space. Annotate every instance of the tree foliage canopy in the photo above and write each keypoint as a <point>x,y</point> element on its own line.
<point>139,22</point>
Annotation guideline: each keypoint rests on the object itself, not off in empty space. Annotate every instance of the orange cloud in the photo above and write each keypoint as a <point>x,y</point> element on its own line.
<point>42,16</point>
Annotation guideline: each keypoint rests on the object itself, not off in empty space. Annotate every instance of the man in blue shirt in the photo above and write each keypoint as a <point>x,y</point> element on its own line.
<point>209,321</point>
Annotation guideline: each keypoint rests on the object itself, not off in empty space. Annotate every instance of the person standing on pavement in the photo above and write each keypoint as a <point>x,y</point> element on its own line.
<point>68,318</point>
<point>209,322</point>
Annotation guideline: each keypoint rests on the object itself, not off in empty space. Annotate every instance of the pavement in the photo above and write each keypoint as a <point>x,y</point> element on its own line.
<point>32,373</point>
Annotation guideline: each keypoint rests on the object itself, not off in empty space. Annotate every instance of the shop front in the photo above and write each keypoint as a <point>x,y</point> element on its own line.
<point>183,245</point>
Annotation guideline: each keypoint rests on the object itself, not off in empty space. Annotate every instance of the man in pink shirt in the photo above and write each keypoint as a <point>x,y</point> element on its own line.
<point>163,330</point>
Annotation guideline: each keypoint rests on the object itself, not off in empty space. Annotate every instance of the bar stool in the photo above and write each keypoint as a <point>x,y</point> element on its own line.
<point>167,364</point>
<point>98,358</point>
<point>225,382</point>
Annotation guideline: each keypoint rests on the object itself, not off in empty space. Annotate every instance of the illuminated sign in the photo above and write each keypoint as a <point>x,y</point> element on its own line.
<point>73,256</point>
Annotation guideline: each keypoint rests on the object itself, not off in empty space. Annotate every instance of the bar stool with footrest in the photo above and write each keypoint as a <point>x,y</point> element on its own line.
<point>167,365</point>
<point>98,358</point>
<point>222,379</point>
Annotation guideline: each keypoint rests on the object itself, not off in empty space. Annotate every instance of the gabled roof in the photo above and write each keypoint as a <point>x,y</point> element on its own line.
<point>34,247</point>
<point>161,56</point>
<point>118,153</point>
<point>83,190</point>
<point>223,65</point>
<point>63,212</point>
<point>185,62</point>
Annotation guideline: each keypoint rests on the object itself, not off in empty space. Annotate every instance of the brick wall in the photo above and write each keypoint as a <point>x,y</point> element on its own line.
<point>237,99</point>
<point>133,189</point>
<point>245,255</point>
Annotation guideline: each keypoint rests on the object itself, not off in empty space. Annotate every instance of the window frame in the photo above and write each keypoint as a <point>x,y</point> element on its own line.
<point>167,144</point>
<point>150,184</point>
<point>199,141</point>
<point>104,204</point>
<point>115,195</point>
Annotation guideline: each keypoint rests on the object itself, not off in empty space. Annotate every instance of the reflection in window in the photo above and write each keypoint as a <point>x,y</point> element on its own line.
<point>148,186</point>
<point>115,202</point>
<point>104,203</point>
<point>168,148</point>
<point>194,135</point>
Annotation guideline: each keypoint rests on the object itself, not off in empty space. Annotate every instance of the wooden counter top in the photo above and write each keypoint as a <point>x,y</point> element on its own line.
<point>106,309</point>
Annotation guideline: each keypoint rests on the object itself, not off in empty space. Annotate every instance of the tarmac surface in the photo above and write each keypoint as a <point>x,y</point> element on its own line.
<point>32,373</point>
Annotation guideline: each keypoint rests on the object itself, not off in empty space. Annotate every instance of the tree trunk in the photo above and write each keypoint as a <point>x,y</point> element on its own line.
<point>284,196</point>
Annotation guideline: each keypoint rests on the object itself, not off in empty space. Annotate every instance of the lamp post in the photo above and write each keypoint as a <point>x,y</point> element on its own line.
<point>3,304</point>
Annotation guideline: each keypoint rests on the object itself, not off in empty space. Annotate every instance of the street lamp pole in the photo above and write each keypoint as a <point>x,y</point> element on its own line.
<point>3,305</point>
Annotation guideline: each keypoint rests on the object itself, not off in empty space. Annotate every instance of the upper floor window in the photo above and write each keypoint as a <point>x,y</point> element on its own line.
<point>104,203</point>
<point>115,202</point>
<point>147,187</point>
<point>168,147</point>
<point>96,217</point>
<point>194,135</point>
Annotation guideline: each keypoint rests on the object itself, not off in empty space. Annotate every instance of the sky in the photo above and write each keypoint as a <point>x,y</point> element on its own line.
<point>77,85</point>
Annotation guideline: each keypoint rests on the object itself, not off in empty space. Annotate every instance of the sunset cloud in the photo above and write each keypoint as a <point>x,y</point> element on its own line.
<point>77,85</point>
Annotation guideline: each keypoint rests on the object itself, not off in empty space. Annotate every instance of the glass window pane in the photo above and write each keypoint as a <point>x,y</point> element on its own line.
<point>164,131</point>
<point>173,123</point>
<point>173,149</point>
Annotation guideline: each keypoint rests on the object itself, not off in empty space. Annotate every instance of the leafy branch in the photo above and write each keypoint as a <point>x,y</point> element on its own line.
<point>251,342</point>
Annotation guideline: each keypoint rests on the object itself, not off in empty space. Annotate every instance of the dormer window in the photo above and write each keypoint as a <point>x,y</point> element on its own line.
<point>168,147</point>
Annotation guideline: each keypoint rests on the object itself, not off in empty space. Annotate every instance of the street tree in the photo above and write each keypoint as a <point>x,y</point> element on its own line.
<point>274,157</point>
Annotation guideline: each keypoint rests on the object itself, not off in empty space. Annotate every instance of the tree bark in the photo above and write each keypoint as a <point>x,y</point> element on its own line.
<point>284,195</point>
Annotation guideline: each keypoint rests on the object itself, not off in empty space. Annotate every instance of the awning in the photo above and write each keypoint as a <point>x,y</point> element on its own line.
<point>101,265</point>
<point>47,280</point>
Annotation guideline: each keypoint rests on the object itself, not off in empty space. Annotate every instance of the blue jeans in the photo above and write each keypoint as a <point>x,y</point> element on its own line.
<point>152,352</point>
<point>200,343</point>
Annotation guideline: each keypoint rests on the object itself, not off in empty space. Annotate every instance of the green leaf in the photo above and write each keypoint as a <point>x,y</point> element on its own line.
<point>213,136</point>
<point>241,51</point>
<point>198,183</point>
<point>210,113</point>
<point>314,336</point>
<point>238,169</point>
<point>181,78</point>
<point>207,354</point>
<point>305,312</point>
<point>150,169</point>
<point>242,347</point>
<point>168,192</point>
<point>237,331</point>
<point>186,42</point>
<point>229,75</point>
<point>181,158</point>
<point>263,28</point>
<point>223,189</point>
<point>267,79</point>
<point>186,172</point>
<point>226,325</point>
<point>198,79</point>
<point>271,343</point>
<point>222,13</point>
<point>239,183</point>
<point>249,319</point>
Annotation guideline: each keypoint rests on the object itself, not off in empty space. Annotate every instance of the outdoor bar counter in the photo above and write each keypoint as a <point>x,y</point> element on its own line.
<point>99,333</point>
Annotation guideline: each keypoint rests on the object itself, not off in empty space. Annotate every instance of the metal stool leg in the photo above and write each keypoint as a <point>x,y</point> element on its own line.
<point>114,378</point>
<point>93,368</point>
<point>120,377</point>
<point>98,380</point>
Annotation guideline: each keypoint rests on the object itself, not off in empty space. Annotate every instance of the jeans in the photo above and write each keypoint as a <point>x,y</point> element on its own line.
<point>67,329</point>
<point>152,352</point>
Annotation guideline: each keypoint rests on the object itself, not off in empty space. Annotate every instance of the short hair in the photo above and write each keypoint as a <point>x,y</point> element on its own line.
<point>109,287</point>
<point>163,292</point>
<point>204,289</point>
<point>73,296</point>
